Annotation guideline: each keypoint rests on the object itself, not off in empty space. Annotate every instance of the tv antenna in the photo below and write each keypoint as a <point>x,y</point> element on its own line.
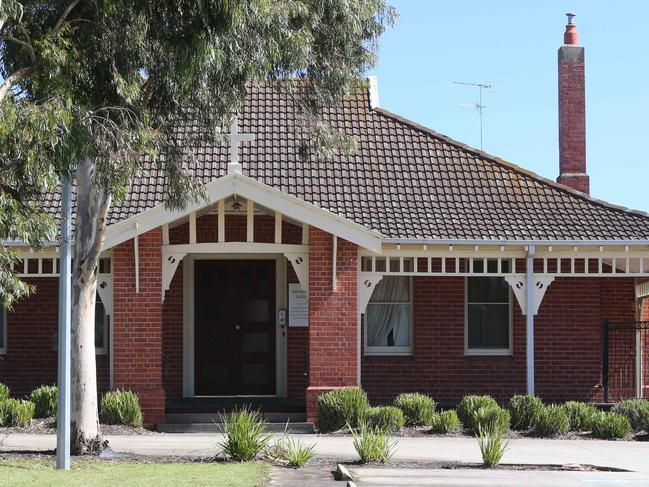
<point>478,106</point>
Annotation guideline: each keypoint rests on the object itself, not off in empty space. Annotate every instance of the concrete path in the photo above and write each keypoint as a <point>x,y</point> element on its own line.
<point>627,455</point>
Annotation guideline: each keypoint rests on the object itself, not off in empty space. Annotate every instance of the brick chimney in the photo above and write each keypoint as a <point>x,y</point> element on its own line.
<point>572,112</point>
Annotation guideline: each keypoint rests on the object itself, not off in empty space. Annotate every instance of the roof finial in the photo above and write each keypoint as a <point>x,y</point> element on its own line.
<point>571,36</point>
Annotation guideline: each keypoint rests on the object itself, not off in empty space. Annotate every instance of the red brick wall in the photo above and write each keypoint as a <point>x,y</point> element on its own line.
<point>137,323</point>
<point>333,319</point>
<point>567,344</point>
<point>297,361</point>
<point>32,327</point>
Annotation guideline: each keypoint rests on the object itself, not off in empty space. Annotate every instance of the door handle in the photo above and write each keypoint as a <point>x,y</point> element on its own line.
<point>236,327</point>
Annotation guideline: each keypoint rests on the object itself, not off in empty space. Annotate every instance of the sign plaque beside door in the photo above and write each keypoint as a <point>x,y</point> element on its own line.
<point>298,306</point>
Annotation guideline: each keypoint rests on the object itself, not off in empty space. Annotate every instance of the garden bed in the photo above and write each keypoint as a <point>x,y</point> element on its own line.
<point>47,426</point>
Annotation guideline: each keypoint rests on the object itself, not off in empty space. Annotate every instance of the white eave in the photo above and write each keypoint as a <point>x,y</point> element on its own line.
<point>241,185</point>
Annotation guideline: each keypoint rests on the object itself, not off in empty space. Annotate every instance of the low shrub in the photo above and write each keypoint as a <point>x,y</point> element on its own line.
<point>372,445</point>
<point>491,418</point>
<point>445,422</point>
<point>44,399</point>
<point>14,412</point>
<point>418,409</point>
<point>523,409</point>
<point>386,418</point>
<point>492,444</point>
<point>245,435</point>
<point>340,407</point>
<point>609,425</point>
<point>469,405</point>
<point>634,410</point>
<point>551,421</point>
<point>4,392</point>
<point>121,407</point>
<point>291,451</point>
<point>580,415</point>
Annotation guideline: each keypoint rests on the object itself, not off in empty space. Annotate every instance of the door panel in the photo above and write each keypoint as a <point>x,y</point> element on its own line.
<point>234,327</point>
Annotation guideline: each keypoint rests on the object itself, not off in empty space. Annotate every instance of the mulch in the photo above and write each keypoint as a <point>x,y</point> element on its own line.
<point>47,426</point>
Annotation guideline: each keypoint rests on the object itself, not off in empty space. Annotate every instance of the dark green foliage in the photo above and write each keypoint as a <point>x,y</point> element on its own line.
<point>634,410</point>
<point>609,425</point>
<point>44,399</point>
<point>5,393</point>
<point>385,418</point>
<point>341,407</point>
<point>491,418</point>
<point>14,412</point>
<point>580,415</point>
<point>245,435</point>
<point>445,422</point>
<point>417,408</point>
<point>551,421</point>
<point>121,407</point>
<point>523,410</point>
<point>469,405</point>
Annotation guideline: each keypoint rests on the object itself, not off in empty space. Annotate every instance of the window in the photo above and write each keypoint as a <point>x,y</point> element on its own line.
<point>488,316</point>
<point>388,319</point>
<point>101,327</point>
<point>3,329</point>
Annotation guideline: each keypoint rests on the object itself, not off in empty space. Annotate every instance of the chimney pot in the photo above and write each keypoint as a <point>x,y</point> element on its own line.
<point>570,36</point>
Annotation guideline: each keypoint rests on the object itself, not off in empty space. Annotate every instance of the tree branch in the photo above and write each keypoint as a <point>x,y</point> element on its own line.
<point>26,45</point>
<point>14,78</point>
<point>64,15</point>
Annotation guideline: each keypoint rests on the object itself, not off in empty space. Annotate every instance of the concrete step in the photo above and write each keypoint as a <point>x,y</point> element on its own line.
<point>269,417</point>
<point>218,427</point>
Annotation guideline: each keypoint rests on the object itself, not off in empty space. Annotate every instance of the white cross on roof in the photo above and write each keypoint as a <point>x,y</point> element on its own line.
<point>234,166</point>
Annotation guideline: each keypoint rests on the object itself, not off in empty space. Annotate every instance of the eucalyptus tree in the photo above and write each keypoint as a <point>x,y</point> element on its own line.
<point>117,77</point>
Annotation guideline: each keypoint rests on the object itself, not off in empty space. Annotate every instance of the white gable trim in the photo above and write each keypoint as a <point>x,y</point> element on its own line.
<point>259,193</point>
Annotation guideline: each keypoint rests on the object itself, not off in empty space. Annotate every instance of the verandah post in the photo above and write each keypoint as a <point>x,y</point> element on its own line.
<point>529,315</point>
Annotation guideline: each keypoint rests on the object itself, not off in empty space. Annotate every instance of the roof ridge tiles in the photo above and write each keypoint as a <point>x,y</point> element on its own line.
<point>509,165</point>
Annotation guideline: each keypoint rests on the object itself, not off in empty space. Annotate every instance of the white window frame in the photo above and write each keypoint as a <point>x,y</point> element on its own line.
<point>390,351</point>
<point>3,349</point>
<point>487,351</point>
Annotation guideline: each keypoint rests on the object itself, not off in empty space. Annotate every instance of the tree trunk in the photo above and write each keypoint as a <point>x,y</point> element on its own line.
<point>92,205</point>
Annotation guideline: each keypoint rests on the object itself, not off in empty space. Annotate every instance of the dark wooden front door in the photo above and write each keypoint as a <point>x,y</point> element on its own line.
<point>234,327</point>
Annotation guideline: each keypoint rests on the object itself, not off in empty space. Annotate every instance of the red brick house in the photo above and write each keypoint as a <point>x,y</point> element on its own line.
<point>415,264</point>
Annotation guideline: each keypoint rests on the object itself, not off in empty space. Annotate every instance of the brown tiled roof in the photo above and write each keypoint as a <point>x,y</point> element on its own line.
<point>404,180</point>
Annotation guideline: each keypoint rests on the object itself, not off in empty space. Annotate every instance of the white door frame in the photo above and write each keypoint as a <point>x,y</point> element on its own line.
<point>188,317</point>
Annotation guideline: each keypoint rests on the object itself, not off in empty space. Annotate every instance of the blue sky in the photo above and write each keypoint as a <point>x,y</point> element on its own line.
<point>514,45</point>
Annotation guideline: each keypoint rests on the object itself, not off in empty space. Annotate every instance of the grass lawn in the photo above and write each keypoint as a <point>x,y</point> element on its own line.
<point>19,473</point>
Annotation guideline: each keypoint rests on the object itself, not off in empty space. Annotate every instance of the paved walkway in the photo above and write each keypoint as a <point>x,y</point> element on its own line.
<point>618,454</point>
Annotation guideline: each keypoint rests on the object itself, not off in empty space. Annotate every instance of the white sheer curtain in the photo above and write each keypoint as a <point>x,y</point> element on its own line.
<point>388,313</point>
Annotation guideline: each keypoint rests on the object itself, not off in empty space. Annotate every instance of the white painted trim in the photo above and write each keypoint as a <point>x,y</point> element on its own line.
<point>105,291</point>
<point>393,351</point>
<point>136,259</point>
<point>221,221</point>
<point>305,234</point>
<point>278,227</point>
<point>261,194</point>
<point>281,339</point>
<point>250,221</point>
<point>334,277</point>
<point>192,227</point>
<point>487,351</point>
<point>165,234</point>
<point>373,91</point>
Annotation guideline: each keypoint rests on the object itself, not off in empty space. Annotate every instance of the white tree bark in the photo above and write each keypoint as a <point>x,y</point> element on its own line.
<point>92,206</point>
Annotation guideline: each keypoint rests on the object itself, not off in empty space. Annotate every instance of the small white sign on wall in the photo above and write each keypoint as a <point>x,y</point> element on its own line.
<point>298,306</point>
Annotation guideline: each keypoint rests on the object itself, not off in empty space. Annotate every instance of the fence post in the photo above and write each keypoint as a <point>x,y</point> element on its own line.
<point>605,331</point>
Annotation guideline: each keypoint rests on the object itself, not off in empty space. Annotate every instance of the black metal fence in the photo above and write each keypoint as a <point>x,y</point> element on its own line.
<point>625,358</point>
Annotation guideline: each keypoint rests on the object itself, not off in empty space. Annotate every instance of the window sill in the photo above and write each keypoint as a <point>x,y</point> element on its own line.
<point>381,353</point>
<point>488,353</point>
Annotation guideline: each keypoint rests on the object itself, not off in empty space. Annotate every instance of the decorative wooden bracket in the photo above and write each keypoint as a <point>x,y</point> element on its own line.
<point>170,261</point>
<point>300,263</point>
<point>105,291</point>
<point>366,286</point>
<point>519,286</point>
